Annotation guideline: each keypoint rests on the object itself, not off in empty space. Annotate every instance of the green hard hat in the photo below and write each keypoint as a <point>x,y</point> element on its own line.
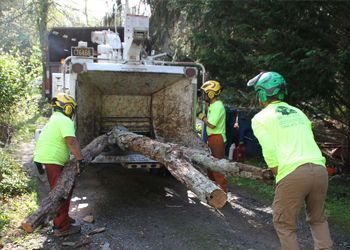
<point>269,84</point>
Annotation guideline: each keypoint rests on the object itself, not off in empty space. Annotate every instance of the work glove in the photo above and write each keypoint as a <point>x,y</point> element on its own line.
<point>81,165</point>
<point>40,168</point>
<point>201,116</point>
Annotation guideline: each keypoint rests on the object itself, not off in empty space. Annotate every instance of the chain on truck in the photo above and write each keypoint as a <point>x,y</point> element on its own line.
<point>116,82</point>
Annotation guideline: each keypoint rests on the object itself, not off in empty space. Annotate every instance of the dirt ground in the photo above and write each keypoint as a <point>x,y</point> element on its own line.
<point>140,210</point>
<point>143,211</point>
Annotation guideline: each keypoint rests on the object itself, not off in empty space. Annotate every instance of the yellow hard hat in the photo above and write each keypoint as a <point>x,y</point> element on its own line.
<point>211,88</point>
<point>65,102</point>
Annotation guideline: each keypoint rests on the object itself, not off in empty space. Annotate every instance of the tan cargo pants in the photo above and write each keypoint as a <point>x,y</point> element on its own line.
<point>309,184</point>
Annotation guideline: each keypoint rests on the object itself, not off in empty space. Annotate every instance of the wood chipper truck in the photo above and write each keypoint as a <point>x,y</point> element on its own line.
<point>122,85</point>
<point>116,82</point>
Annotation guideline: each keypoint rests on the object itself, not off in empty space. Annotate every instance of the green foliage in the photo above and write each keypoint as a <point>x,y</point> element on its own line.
<point>13,212</point>
<point>18,197</point>
<point>17,25</point>
<point>162,34</point>
<point>305,41</point>
<point>338,205</point>
<point>19,92</point>
<point>12,82</point>
<point>238,98</point>
<point>14,181</point>
<point>235,39</point>
<point>260,190</point>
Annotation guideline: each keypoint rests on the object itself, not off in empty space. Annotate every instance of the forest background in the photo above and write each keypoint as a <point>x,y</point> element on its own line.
<point>306,41</point>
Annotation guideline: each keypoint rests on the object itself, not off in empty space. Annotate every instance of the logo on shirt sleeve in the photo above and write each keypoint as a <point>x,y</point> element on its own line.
<point>285,111</point>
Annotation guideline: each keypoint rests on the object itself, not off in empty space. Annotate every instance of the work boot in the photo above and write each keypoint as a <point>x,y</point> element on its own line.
<point>71,222</point>
<point>71,230</point>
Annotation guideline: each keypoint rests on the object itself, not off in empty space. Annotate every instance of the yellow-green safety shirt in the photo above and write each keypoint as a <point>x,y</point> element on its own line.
<point>217,116</point>
<point>285,135</point>
<point>51,147</point>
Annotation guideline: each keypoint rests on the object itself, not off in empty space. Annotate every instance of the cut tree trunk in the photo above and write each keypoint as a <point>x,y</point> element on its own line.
<point>64,185</point>
<point>173,158</point>
<point>204,160</point>
<point>179,160</point>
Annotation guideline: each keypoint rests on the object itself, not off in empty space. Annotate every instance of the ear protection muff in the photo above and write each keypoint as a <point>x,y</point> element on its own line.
<point>283,92</point>
<point>281,96</point>
<point>262,95</point>
<point>68,109</point>
<point>211,94</point>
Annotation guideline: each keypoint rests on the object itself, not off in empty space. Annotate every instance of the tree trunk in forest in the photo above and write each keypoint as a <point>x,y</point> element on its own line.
<point>174,159</point>
<point>86,14</point>
<point>64,185</point>
<point>42,10</point>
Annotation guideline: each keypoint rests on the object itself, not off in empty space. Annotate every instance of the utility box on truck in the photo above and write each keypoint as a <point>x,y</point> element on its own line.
<point>121,85</point>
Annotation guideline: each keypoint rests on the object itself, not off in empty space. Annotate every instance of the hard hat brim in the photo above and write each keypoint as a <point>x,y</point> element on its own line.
<point>254,80</point>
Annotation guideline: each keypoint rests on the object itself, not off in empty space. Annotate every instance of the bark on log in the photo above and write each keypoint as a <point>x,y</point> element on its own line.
<point>177,159</point>
<point>204,160</point>
<point>174,160</point>
<point>63,186</point>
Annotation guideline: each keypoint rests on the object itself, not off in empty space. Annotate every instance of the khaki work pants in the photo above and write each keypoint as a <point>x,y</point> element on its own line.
<point>309,184</point>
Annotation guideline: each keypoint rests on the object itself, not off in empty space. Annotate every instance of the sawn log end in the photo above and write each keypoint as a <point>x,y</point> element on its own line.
<point>217,198</point>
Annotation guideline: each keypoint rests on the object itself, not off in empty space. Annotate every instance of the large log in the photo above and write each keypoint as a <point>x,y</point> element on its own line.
<point>204,160</point>
<point>173,158</point>
<point>63,186</point>
<point>199,158</point>
<point>178,160</point>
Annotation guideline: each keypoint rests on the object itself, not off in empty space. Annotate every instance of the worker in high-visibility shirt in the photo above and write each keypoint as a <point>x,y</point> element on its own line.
<point>52,151</point>
<point>290,151</point>
<point>215,120</point>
